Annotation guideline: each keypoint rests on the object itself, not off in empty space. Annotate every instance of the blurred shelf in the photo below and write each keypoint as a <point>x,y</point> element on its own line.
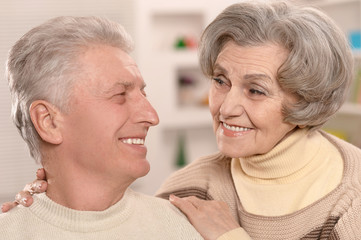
<point>187,118</point>
<point>182,57</point>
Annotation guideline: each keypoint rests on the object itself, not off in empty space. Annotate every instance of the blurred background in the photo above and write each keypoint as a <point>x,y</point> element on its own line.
<point>166,34</point>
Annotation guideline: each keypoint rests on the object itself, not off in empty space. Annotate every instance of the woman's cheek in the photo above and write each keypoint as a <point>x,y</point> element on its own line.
<point>213,103</point>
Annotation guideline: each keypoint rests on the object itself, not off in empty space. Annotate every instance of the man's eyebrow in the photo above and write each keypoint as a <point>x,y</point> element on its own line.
<point>123,84</point>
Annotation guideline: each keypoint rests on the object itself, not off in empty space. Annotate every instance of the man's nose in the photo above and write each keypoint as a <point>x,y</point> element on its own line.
<point>145,112</point>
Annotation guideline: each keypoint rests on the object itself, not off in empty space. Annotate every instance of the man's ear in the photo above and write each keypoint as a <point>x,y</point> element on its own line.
<point>46,119</point>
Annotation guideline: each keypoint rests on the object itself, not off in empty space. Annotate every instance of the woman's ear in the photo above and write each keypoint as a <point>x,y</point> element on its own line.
<point>46,119</point>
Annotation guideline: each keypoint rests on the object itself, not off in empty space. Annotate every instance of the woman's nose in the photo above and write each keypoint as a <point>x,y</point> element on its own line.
<point>232,105</point>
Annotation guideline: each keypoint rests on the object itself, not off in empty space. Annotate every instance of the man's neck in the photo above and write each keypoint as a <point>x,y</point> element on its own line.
<point>83,191</point>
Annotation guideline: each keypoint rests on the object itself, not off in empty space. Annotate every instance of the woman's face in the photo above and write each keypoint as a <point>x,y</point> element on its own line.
<point>246,100</point>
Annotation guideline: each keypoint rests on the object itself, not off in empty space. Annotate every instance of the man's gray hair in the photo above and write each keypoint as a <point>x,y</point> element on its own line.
<point>42,65</point>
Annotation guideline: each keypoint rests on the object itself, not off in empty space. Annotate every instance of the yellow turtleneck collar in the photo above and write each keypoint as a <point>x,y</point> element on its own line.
<point>298,171</point>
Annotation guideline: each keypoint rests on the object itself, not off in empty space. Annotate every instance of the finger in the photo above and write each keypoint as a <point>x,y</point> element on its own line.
<point>8,206</point>
<point>197,203</point>
<point>40,174</point>
<point>185,206</point>
<point>38,186</point>
<point>24,198</point>
<point>41,186</point>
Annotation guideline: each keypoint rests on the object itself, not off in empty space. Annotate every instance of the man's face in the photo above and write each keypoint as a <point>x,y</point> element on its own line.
<point>109,116</point>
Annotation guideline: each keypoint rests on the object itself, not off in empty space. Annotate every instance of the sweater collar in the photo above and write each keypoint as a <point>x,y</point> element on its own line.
<point>82,221</point>
<point>285,159</point>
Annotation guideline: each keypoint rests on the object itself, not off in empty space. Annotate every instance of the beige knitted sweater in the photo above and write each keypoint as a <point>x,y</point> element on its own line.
<point>337,215</point>
<point>136,216</point>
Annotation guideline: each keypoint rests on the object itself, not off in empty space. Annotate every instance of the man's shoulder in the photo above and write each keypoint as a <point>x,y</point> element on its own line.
<point>16,213</point>
<point>14,222</point>
<point>155,204</point>
<point>157,207</point>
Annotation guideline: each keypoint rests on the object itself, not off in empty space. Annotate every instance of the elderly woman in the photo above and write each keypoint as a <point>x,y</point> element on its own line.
<point>279,72</point>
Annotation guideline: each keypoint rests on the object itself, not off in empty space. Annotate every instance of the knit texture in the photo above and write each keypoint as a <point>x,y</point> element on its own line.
<point>317,170</point>
<point>135,216</point>
<point>335,216</point>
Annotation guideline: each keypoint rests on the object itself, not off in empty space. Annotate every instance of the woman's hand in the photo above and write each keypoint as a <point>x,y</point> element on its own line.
<point>210,218</point>
<point>25,197</point>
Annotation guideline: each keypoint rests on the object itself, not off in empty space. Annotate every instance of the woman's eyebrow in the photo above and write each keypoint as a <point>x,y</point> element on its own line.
<point>219,68</point>
<point>258,76</point>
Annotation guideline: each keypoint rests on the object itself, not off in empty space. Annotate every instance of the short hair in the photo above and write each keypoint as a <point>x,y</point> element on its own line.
<point>319,66</point>
<point>42,65</point>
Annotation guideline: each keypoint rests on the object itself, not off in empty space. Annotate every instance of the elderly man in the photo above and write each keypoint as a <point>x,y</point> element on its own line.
<point>79,103</point>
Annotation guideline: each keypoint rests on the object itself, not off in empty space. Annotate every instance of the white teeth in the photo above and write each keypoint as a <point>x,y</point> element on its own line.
<point>235,129</point>
<point>137,141</point>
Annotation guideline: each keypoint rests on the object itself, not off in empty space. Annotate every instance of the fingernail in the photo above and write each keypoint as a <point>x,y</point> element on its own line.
<point>37,171</point>
<point>36,186</point>
<point>19,199</point>
<point>23,201</point>
<point>172,197</point>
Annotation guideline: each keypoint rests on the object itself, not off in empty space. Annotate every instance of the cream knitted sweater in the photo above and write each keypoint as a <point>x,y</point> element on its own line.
<point>135,216</point>
<point>335,215</point>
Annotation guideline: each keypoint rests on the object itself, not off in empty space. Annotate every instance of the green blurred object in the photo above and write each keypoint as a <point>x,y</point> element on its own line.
<point>181,156</point>
<point>180,43</point>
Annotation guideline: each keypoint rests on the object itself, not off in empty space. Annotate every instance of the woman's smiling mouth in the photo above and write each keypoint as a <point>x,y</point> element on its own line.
<point>235,128</point>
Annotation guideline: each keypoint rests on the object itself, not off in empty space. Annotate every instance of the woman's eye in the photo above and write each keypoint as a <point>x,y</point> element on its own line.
<point>257,92</point>
<point>219,81</point>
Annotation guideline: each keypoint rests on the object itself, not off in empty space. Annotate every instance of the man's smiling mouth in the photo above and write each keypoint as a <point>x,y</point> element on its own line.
<point>136,141</point>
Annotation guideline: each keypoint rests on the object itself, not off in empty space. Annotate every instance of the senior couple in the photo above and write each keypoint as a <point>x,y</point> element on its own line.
<point>278,73</point>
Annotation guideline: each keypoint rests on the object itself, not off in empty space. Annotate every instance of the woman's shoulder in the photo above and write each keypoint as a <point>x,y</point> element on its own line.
<point>351,156</point>
<point>204,163</point>
<point>349,152</point>
<point>340,143</point>
<point>196,178</point>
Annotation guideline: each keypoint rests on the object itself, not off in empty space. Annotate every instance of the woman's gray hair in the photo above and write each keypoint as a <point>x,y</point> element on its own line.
<point>319,67</point>
<point>42,65</point>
